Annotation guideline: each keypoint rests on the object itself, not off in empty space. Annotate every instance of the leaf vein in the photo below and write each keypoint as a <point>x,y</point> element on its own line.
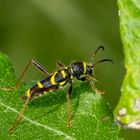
<point>37,123</point>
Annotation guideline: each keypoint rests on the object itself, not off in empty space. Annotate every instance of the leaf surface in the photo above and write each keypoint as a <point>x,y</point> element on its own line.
<point>127,112</point>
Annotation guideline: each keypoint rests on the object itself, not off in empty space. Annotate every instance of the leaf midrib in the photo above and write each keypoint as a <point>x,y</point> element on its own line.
<point>60,133</point>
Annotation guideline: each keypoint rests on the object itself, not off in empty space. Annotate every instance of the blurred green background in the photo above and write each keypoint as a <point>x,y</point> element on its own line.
<point>68,30</point>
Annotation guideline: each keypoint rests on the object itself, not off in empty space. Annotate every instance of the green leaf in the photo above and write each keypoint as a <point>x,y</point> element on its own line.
<point>127,112</point>
<point>46,116</point>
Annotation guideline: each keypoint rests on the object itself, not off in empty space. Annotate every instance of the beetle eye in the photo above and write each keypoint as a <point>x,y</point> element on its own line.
<point>89,70</point>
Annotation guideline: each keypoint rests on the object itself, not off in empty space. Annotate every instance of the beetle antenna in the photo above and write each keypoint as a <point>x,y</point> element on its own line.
<point>103,60</point>
<point>94,54</point>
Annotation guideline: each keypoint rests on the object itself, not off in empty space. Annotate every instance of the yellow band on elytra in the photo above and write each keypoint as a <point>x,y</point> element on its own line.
<point>40,85</point>
<point>28,93</point>
<point>53,79</point>
<point>62,83</point>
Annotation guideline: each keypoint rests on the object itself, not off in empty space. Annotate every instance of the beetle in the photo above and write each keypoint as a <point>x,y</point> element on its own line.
<point>63,76</point>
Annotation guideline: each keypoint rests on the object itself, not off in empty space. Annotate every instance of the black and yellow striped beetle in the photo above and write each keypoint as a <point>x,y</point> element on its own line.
<point>64,75</point>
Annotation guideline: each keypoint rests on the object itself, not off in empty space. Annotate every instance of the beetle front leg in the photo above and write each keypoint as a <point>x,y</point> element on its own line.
<point>92,81</point>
